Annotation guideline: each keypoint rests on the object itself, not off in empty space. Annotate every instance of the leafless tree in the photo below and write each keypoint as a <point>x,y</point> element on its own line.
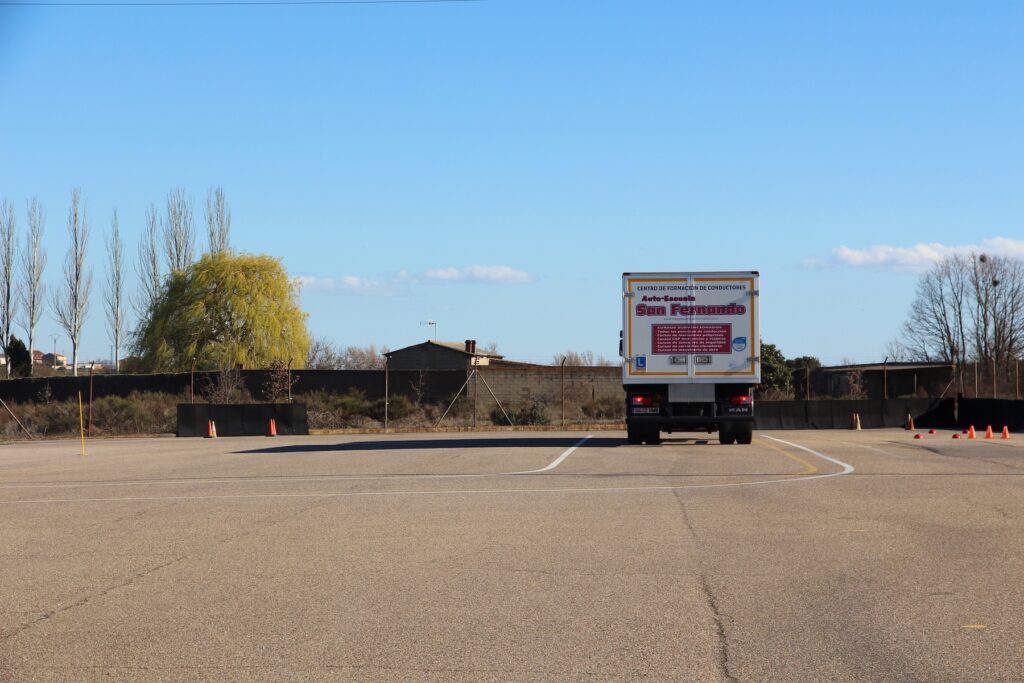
<point>8,297</point>
<point>218,221</point>
<point>148,266</point>
<point>323,355</point>
<point>71,302</point>
<point>33,262</point>
<point>178,233</point>
<point>115,288</point>
<point>936,328</point>
<point>997,310</point>
<point>364,358</point>
<point>580,358</point>
<point>967,309</point>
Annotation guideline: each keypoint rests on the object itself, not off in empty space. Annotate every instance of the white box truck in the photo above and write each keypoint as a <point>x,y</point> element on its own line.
<point>690,348</point>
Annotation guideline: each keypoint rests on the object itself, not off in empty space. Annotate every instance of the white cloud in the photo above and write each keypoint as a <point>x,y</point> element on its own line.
<point>346,284</point>
<point>479,274</point>
<point>315,283</point>
<point>399,282</point>
<point>915,258</point>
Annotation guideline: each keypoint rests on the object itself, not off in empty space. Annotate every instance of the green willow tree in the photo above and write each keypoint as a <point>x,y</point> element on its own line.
<point>223,311</point>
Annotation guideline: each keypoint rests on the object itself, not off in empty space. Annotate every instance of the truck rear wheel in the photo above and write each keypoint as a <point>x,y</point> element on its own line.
<point>634,436</point>
<point>744,433</point>
<point>726,436</point>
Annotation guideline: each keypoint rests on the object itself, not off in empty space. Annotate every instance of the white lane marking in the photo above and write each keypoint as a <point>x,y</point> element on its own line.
<point>243,480</point>
<point>384,494</point>
<point>279,480</point>
<point>846,468</point>
<point>559,459</point>
<point>871,448</point>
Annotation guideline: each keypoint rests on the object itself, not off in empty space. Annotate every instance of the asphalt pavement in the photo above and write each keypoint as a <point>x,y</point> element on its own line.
<point>806,556</point>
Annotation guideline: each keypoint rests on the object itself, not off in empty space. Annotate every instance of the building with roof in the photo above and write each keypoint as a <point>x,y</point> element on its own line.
<point>440,355</point>
<point>880,380</point>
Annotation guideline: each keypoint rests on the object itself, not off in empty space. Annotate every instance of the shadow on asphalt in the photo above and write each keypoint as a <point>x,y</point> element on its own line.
<point>437,444</point>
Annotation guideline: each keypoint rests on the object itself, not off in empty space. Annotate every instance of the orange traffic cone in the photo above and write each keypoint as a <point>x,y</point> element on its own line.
<point>910,422</point>
<point>988,433</point>
<point>855,421</point>
<point>1006,433</point>
<point>970,433</point>
<point>211,429</point>
<point>273,427</point>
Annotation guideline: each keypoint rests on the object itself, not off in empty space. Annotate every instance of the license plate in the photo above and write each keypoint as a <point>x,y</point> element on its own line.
<point>645,411</point>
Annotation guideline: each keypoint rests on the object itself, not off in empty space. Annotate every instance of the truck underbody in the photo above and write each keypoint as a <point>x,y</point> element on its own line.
<point>655,408</point>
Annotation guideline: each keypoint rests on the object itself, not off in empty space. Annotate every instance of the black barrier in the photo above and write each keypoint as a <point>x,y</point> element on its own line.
<point>985,412</point>
<point>768,415</point>
<point>818,415</point>
<point>838,414</point>
<point>428,386</point>
<point>242,419</point>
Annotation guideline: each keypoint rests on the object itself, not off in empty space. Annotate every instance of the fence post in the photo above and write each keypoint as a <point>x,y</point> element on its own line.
<point>563,390</point>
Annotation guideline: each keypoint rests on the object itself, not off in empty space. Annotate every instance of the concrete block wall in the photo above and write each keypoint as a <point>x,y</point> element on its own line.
<point>521,385</point>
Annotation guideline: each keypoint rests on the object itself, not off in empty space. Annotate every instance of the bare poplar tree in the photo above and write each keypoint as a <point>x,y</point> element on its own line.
<point>937,327</point>
<point>148,265</point>
<point>8,298</point>
<point>33,262</point>
<point>178,233</point>
<point>997,310</point>
<point>71,303</point>
<point>218,221</point>
<point>115,288</point>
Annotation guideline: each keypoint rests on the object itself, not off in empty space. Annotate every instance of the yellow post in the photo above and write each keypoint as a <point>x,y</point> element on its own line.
<point>81,421</point>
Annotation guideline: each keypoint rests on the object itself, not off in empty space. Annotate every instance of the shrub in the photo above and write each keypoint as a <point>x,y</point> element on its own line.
<point>533,413</point>
<point>399,407</point>
<point>332,411</point>
<point>604,408</point>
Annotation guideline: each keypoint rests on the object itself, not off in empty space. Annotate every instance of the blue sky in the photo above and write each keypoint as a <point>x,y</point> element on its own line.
<point>495,166</point>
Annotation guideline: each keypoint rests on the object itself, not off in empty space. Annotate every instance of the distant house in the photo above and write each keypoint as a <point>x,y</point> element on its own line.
<point>38,357</point>
<point>93,366</point>
<point>440,355</point>
<point>57,360</point>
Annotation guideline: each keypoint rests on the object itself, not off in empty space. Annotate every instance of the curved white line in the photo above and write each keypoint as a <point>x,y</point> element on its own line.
<point>847,469</point>
<point>284,480</point>
<point>559,459</point>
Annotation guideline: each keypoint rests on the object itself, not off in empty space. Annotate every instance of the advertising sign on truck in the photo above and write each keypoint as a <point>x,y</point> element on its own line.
<point>691,327</point>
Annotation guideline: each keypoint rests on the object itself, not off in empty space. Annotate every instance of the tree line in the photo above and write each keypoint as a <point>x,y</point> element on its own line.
<point>167,247</point>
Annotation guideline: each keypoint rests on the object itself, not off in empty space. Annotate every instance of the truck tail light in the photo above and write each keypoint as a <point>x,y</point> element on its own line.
<point>741,400</point>
<point>642,400</point>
